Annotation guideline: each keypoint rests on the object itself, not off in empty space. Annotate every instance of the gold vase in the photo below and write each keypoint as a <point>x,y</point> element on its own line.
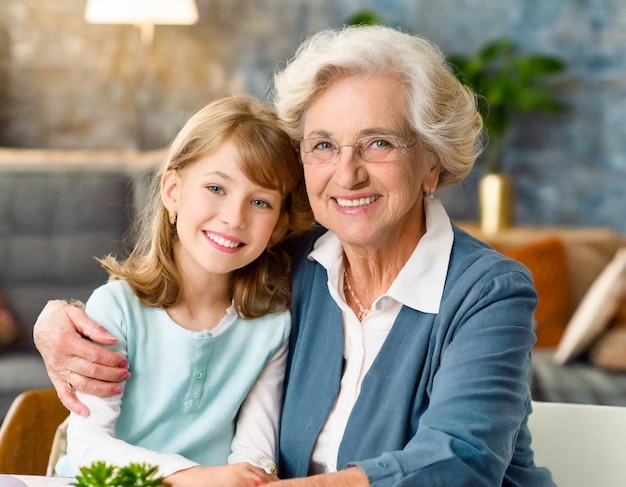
<point>496,203</point>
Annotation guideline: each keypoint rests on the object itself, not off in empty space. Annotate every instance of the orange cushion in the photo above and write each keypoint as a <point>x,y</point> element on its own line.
<point>547,261</point>
<point>9,329</point>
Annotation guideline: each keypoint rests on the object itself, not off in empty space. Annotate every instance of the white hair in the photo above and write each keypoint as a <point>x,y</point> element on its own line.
<point>440,110</point>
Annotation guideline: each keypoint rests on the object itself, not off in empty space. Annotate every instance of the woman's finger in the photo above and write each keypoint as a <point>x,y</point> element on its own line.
<point>74,362</point>
<point>89,328</point>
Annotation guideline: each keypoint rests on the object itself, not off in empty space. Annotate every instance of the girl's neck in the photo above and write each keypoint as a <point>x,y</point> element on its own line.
<point>199,315</point>
<point>201,306</point>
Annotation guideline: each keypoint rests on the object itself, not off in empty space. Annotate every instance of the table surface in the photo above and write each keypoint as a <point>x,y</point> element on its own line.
<point>7,480</point>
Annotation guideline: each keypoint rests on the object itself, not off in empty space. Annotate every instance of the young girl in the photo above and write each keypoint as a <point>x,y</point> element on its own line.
<point>200,308</point>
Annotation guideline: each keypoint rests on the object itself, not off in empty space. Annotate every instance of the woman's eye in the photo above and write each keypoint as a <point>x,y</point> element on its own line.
<point>215,189</point>
<point>261,203</point>
<point>379,144</point>
<point>324,145</point>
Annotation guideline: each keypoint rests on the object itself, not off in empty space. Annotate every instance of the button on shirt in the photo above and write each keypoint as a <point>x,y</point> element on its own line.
<point>418,285</point>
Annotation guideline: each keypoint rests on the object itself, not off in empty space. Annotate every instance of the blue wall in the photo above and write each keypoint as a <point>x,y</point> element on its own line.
<point>72,85</point>
<point>568,169</point>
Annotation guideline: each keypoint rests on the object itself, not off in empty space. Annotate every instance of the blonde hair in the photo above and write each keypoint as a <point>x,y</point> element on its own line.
<point>440,110</point>
<point>267,157</point>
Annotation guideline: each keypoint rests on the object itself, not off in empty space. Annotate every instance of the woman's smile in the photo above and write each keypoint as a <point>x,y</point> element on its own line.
<point>356,202</point>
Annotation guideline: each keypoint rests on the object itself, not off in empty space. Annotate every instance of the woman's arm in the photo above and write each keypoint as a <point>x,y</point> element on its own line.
<point>350,477</point>
<point>477,403</point>
<point>67,340</point>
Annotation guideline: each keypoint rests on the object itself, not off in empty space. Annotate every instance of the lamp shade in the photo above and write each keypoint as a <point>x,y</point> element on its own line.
<point>141,12</point>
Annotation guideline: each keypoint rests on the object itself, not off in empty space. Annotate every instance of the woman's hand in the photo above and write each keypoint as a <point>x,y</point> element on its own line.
<point>350,477</point>
<point>235,475</point>
<point>67,341</point>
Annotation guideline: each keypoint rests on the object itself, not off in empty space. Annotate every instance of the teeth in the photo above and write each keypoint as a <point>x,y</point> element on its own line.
<point>222,241</point>
<point>356,202</point>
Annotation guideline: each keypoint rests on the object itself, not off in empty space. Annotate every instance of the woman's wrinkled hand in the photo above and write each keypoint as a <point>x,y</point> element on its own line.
<point>68,342</point>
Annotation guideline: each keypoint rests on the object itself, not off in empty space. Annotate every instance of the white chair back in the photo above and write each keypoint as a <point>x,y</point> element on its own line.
<point>582,445</point>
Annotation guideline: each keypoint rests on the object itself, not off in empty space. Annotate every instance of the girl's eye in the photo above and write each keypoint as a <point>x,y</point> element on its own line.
<point>215,189</point>
<point>261,203</point>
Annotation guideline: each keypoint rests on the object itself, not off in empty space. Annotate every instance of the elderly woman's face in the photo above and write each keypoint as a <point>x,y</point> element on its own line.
<point>366,203</point>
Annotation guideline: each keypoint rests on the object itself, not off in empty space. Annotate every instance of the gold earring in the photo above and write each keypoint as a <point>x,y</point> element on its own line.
<point>173,217</point>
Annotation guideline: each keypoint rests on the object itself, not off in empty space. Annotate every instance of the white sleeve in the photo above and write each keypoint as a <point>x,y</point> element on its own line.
<point>256,434</point>
<point>92,439</point>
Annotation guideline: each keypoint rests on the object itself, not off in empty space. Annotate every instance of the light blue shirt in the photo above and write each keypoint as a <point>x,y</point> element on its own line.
<point>185,389</point>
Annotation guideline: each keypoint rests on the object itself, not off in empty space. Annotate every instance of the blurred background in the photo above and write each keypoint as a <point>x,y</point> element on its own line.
<point>69,84</point>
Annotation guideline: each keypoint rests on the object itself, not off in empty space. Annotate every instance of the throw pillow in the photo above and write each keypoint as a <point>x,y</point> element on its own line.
<point>595,311</point>
<point>9,329</point>
<point>547,261</point>
<point>609,352</point>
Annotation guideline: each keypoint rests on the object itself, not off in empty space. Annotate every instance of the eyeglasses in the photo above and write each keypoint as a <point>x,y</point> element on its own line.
<point>373,148</point>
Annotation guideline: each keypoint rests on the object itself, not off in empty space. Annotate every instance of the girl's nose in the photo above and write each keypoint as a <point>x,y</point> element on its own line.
<point>234,215</point>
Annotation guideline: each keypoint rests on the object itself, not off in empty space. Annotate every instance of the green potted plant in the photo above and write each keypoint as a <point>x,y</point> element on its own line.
<point>365,17</point>
<point>100,474</point>
<point>508,84</point>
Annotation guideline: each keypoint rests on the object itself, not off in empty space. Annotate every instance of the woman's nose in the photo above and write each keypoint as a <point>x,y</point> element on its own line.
<point>350,169</point>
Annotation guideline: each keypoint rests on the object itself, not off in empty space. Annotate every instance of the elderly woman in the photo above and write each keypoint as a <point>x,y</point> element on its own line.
<point>410,350</point>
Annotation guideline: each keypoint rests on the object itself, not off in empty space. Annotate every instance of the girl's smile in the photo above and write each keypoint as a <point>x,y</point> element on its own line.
<point>223,242</point>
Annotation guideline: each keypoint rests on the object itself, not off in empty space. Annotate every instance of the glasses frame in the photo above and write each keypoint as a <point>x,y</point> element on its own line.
<point>357,145</point>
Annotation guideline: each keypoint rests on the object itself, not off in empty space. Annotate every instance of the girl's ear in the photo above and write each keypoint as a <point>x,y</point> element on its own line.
<point>170,190</point>
<point>280,230</point>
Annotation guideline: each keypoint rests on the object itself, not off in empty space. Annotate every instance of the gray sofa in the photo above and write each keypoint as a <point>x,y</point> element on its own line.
<point>59,210</point>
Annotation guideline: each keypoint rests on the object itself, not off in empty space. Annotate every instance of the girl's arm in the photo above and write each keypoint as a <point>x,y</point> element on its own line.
<point>256,433</point>
<point>93,439</point>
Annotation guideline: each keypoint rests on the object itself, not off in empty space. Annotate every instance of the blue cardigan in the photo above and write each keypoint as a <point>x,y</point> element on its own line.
<point>445,402</point>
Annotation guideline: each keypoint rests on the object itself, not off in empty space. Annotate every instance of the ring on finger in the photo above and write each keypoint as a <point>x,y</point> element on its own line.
<point>68,377</point>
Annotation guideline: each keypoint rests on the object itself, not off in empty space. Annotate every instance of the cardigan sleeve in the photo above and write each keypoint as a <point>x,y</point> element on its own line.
<point>477,398</point>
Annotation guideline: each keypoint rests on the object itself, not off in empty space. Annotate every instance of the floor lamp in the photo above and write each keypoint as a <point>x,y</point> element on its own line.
<point>144,14</point>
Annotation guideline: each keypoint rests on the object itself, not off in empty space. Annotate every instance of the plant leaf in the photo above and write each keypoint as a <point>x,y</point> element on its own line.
<point>507,83</point>
<point>99,474</point>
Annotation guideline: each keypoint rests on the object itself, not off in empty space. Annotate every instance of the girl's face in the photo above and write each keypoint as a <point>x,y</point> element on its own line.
<point>225,220</point>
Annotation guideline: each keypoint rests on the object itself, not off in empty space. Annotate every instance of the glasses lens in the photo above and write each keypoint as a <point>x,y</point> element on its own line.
<point>318,150</point>
<point>378,148</point>
<point>374,148</point>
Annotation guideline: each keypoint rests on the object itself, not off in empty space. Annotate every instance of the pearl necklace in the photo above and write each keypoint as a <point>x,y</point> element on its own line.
<point>363,312</point>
